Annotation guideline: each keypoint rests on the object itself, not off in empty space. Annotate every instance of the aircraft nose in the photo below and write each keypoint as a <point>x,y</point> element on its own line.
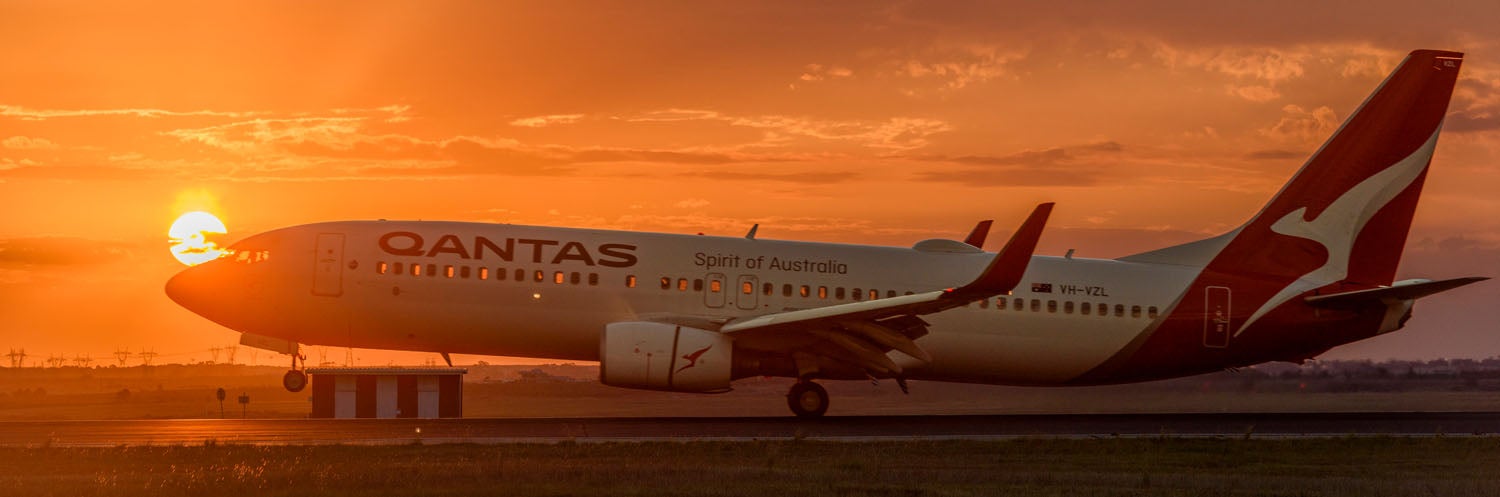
<point>185,287</point>
<point>177,286</point>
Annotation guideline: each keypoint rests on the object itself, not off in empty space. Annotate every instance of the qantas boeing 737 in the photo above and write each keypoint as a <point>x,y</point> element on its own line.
<point>1314,269</point>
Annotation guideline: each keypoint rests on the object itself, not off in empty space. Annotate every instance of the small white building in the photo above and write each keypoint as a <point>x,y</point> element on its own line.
<point>387,392</point>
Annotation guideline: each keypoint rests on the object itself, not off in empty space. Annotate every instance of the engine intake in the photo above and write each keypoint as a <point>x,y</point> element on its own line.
<point>659,356</point>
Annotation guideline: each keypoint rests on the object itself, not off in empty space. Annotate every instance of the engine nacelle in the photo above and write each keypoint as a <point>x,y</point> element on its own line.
<point>659,356</point>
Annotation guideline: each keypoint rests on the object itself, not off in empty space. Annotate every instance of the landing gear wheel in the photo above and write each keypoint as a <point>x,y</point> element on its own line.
<point>807,399</point>
<point>294,381</point>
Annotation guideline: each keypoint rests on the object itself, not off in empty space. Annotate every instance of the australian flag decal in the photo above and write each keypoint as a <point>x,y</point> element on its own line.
<point>1041,288</point>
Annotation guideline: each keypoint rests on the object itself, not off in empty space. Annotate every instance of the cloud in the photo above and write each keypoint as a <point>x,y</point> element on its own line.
<point>548,120</point>
<point>1301,125</point>
<point>29,114</point>
<point>1058,166</point>
<point>692,203</point>
<point>1464,122</point>
<point>896,133</point>
<point>959,66</point>
<point>807,178</point>
<point>28,143</point>
<point>819,72</point>
<point>1275,155</point>
<point>60,251</point>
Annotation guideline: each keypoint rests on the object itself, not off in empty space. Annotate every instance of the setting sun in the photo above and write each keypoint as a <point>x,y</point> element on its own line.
<point>189,238</point>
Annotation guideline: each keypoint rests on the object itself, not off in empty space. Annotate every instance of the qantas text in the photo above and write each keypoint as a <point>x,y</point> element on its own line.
<point>408,244</point>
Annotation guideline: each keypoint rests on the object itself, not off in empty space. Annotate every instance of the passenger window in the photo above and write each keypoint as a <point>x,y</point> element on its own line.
<point>521,275</point>
<point>1084,308</point>
<point>558,277</point>
<point>682,284</point>
<point>464,272</point>
<point>575,278</point>
<point>874,294</point>
<point>447,271</point>
<point>432,269</point>
<point>1135,311</point>
<point>805,291</point>
<point>1000,303</point>
<point>500,274</point>
<point>1018,304</point>
<point>890,293</point>
<point>1052,306</point>
<point>416,269</point>
<point>484,273</point>
<point>1103,309</point>
<point>984,304</point>
<point>822,292</point>
<point>1119,310</point>
<point>714,286</point>
<point>539,276</point>
<point>838,293</point>
<point>380,268</point>
<point>1036,305</point>
<point>630,281</point>
<point>593,279</point>
<point>908,292</point>
<point>397,268</point>
<point>1151,312</point>
<point>856,294</point>
<point>1068,307</point>
<point>698,285</point>
<point>786,289</point>
<point>747,288</point>
<point>666,283</point>
<point>767,289</point>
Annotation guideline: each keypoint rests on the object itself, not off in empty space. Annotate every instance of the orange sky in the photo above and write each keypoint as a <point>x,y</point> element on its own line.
<point>885,122</point>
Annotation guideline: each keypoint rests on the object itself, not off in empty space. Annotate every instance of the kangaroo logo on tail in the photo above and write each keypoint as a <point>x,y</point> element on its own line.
<point>1338,225</point>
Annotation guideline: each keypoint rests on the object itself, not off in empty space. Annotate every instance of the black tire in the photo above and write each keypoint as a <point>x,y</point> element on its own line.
<point>807,399</point>
<point>294,380</point>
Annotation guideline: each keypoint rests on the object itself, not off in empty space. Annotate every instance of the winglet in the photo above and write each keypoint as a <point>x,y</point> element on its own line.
<point>980,232</point>
<point>1004,272</point>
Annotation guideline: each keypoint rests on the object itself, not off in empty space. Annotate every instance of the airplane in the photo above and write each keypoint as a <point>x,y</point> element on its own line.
<point>1314,269</point>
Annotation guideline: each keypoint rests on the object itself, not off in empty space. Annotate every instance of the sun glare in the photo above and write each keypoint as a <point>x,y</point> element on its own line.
<point>189,238</point>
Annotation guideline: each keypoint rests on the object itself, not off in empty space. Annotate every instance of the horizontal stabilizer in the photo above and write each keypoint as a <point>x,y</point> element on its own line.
<point>1401,290</point>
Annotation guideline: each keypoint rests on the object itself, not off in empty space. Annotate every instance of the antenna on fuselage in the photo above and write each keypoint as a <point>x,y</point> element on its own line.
<point>751,234</point>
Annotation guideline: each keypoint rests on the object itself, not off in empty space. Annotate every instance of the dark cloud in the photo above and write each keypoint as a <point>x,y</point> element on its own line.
<point>665,156</point>
<point>1275,155</point>
<point>809,178</point>
<point>1463,121</point>
<point>1057,166</point>
<point>60,251</point>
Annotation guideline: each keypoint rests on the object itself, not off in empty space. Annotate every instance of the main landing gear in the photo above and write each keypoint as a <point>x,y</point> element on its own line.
<point>295,380</point>
<point>807,399</point>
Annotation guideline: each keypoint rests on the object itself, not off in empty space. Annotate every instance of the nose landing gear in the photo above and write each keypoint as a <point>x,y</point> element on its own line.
<point>295,380</point>
<point>807,399</point>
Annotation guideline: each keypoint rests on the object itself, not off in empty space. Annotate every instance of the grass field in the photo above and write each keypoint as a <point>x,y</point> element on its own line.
<point>1108,467</point>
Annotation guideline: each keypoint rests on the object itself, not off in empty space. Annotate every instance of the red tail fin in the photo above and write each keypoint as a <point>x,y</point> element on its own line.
<point>1344,217</point>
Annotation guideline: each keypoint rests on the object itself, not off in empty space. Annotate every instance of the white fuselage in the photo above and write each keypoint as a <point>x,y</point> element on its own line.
<point>555,290</point>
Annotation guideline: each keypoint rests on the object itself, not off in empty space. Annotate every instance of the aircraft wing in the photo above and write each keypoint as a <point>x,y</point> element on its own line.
<point>868,329</point>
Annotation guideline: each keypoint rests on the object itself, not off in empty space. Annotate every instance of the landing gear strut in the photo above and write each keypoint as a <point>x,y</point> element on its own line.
<point>807,399</point>
<point>295,380</point>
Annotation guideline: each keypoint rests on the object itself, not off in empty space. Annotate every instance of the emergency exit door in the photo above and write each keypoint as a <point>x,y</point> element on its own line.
<point>328,275</point>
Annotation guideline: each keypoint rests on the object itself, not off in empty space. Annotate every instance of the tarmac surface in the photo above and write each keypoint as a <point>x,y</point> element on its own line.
<point>852,429</point>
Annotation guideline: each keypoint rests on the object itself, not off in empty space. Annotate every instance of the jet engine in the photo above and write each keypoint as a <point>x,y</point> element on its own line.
<point>659,356</point>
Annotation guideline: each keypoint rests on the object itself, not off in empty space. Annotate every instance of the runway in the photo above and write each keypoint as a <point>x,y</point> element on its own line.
<point>852,429</point>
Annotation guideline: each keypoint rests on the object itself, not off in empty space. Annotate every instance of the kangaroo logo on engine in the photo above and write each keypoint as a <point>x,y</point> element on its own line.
<point>408,244</point>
